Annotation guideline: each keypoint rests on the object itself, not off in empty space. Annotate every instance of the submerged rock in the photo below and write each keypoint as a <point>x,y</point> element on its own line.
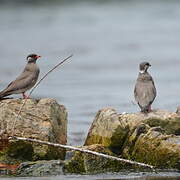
<point>43,119</point>
<point>41,168</point>
<point>152,138</point>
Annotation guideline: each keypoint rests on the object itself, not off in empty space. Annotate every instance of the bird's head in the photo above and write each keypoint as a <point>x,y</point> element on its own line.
<point>143,67</point>
<point>32,57</point>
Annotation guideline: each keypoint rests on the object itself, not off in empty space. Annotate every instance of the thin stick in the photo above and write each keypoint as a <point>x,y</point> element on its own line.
<point>20,110</point>
<point>49,73</point>
<point>133,102</point>
<point>83,150</point>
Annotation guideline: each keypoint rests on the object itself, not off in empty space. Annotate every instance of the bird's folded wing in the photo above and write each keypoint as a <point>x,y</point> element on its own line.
<point>21,82</point>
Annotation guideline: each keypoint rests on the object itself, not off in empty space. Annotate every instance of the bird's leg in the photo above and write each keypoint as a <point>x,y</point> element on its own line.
<point>25,96</point>
<point>149,109</point>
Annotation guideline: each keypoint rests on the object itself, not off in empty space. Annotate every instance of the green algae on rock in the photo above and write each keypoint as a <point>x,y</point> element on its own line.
<point>107,130</point>
<point>17,152</point>
<point>83,163</point>
<point>155,148</point>
<point>164,149</point>
<point>170,125</point>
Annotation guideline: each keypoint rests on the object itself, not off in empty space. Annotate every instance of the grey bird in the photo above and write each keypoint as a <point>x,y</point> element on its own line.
<point>145,90</point>
<point>26,80</point>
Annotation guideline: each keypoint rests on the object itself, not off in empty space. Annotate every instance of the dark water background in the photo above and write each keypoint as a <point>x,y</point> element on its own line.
<point>108,39</point>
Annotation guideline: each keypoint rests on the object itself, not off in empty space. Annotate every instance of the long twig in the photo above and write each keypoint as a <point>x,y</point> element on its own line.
<point>32,90</point>
<point>49,73</point>
<point>82,150</point>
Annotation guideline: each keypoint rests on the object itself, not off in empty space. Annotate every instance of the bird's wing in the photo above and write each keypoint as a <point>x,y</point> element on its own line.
<point>22,76</point>
<point>145,93</point>
<point>154,90</point>
<point>22,82</point>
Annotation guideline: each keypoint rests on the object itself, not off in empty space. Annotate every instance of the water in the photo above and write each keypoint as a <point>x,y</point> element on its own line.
<point>110,176</point>
<point>108,40</point>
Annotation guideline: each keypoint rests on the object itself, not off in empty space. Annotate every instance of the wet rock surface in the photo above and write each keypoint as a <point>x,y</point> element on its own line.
<point>41,168</point>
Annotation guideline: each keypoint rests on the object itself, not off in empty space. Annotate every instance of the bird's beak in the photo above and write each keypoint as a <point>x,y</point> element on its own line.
<point>38,57</point>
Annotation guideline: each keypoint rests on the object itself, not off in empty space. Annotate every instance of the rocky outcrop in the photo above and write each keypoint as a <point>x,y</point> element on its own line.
<point>43,119</point>
<point>152,138</point>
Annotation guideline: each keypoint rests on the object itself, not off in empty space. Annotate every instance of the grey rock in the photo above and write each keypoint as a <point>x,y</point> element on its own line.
<point>41,168</point>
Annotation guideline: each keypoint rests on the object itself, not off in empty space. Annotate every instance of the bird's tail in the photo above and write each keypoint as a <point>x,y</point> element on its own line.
<point>2,94</point>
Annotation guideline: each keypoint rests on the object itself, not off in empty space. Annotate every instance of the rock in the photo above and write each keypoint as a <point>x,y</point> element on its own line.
<point>157,149</point>
<point>147,138</point>
<point>41,168</point>
<point>43,119</point>
<point>83,163</point>
<point>108,130</point>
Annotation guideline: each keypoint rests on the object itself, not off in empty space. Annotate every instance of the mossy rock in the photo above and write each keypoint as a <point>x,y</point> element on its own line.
<point>152,138</point>
<point>108,130</point>
<point>83,163</point>
<point>170,125</point>
<point>76,164</point>
<point>21,151</point>
<point>154,148</point>
<point>17,152</point>
<point>44,152</point>
<point>131,140</point>
<point>42,119</point>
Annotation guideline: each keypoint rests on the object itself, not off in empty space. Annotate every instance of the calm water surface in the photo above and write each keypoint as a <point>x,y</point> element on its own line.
<point>121,176</point>
<point>108,41</point>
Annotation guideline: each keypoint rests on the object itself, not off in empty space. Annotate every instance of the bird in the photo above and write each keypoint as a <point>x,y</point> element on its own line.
<point>26,80</point>
<point>145,90</point>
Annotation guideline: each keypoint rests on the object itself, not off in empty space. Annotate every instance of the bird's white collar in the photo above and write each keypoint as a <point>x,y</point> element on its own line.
<point>142,72</point>
<point>29,58</point>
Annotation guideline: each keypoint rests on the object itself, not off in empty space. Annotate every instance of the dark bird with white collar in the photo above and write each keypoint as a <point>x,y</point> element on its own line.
<point>145,90</point>
<point>26,80</point>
